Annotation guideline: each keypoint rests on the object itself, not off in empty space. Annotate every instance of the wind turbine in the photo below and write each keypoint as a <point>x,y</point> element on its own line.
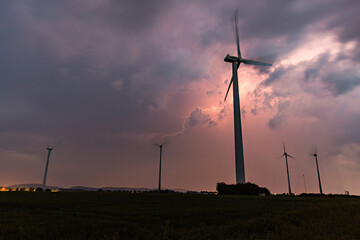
<point>317,167</point>
<point>287,167</point>
<point>161,146</point>
<point>47,162</point>
<point>236,61</point>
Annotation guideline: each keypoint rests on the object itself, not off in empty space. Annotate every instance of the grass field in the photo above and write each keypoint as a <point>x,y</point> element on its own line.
<point>115,215</point>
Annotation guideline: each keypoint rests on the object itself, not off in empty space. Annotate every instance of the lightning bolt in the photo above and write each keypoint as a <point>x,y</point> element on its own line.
<point>174,134</point>
<point>210,110</point>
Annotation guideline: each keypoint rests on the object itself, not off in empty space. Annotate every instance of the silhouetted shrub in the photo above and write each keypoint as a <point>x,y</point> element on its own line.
<point>47,190</point>
<point>39,189</point>
<point>241,189</point>
<point>192,192</point>
<point>163,191</point>
<point>311,195</point>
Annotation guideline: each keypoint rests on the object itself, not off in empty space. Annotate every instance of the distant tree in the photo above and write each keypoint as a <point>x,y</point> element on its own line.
<point>241,189</point>
<point>39,189</point>
<point>31,189</point>
<point>310,194</point>
<point>192,192</point>
<point>48,190</point>
<point>100,190</point>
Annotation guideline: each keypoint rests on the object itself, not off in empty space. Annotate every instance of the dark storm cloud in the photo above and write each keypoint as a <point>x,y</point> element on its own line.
<point>344,21</point>
<point>268,98</point>
<point>268,22</point>
<point>325,73</point>
<point>59,66</point>
<point>132,15</point>
<point>313,70</point>
<point>281,25</point>
<point>108,76</point>
<point>276,121</point>
<point>198,117</point>
<point>274,76</point>
<point>262,100</point>
<point>254,111</point>
<point>338,80</point>
<point>79,89</point>
<point>339,83</point>
<point>128,16</point>
<point>243,112</point>
<point>214,92</point>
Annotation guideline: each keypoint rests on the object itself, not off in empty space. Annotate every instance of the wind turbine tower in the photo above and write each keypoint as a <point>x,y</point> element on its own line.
<point>159,187</point>
<point>236,61</point>
<point>161,147</point>
<point>47,163</point>
<point>287,167</point>
<point>318,172</point>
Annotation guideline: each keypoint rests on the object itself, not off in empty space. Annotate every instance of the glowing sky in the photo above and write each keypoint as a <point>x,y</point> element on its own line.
<point>110,78</point>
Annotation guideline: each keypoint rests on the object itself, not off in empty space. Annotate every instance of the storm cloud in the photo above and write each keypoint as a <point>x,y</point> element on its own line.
<point>108,77</point>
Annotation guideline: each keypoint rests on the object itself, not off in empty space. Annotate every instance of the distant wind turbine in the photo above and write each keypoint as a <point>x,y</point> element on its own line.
<point>318,172</point>
<point>47,162</point>
<point>236,61</point>
<point>287,167</point>
<point>166,142</point>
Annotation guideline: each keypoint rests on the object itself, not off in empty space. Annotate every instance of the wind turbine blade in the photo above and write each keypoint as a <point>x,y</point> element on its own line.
<point>281,156</point>
<point>237,35</point>
<point>291,157</point>
<point>252,62</point>
<point>56,144</point>
<point>166,142</point>
<point>284,147</point>
<point>228,89</point>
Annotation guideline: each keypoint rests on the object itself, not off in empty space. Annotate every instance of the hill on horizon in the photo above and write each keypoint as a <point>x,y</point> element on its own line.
<point>85,188</point>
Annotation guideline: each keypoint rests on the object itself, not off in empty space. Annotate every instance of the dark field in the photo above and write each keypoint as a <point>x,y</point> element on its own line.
<point>113,215</point>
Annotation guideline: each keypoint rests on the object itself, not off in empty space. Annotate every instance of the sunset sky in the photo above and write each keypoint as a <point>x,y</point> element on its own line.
<point>111,78</point>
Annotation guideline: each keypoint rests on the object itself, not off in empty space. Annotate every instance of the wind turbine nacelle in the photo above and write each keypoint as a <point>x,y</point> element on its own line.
<point>231,59</point>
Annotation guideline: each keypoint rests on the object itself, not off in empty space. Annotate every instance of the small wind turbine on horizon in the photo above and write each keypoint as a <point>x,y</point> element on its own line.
<point>166,142</point>
<point>287,167</point>
<point>236,61</point>
<point>318,172</point>
<point>47,162</point>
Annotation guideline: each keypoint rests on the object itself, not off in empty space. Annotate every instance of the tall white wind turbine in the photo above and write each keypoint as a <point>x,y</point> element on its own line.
<point>47,163</point>
<point>287,167</point>
<point>161,147</point>
<point>318,172</point>
<point>236,61</point>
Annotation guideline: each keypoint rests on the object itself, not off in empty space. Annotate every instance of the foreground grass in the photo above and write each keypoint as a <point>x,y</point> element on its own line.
<point>112,215</point>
